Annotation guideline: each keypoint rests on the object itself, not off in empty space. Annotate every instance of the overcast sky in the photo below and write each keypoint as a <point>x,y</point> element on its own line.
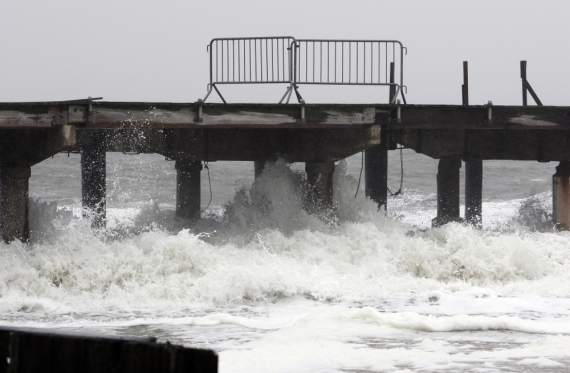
<point>156,50</point>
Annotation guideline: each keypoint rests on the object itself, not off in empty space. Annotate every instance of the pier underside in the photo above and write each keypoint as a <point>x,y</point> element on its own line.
<point>318,135</point>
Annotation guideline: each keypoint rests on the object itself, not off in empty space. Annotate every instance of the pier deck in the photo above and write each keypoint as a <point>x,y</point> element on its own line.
<point>318,134</point>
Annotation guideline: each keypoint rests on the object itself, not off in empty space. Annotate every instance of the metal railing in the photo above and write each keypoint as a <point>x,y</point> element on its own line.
<point>306,61</point>
<point>249,61</point>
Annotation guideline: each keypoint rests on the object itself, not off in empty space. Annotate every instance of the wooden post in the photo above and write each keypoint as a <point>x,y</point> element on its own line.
<point>447,191</point>
<point>188,189</point>
<point>258,167</point>
<point>14,203</point>
<point>523,77</point>
<point>320,186</point>
<point>561,196</point>
<point>94,177</point>
<point>376,161</point>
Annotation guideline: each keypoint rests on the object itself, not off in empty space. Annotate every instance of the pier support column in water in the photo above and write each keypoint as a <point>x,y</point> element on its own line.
<point>474,192</point>
<point>94,178</point>
<point>561,196</point>
<point>320,186</point>
<point>447,191</point>
<point>376,172</point>
<point>258,167</point>
<point>14,203</point>
<point>188,189</point>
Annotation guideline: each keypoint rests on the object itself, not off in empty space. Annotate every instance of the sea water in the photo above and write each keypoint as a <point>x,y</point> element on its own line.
<point>274,289</point>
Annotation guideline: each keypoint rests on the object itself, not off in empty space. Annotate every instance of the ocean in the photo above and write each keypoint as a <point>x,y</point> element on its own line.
<point>274,289</point>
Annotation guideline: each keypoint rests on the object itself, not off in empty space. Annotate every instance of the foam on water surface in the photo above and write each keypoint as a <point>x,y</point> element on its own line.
<point>276,289</point>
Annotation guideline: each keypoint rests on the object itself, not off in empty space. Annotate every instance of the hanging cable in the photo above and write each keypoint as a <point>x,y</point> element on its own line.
<point>209,183</point>
<point>399,191</point>
<point>360,177</point>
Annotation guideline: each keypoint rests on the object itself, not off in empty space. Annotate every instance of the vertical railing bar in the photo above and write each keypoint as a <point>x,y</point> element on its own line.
<point>306,61</point>
<point>386,58</point>
<point>335,55</point>
<point>379,62</point>
<point>321,62</point>
<point>357,62</point>
<point>272,62</point>
<point>266,60</point>
<point>239,65</point>
<point>371,63</point>
<point>328,61</point>
<point>250,79</point>
<point>364,74</point>
<point>349,61</point>
<point>342,59</point>
<point>314,62</point>
<point>216,60</point>
<point>278,60</point>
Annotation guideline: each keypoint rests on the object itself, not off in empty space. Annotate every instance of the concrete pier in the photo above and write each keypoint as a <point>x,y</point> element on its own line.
<point>376,172</point>
<point>447,191</point>
<point>561,196</point>
<point>474,192</point>
<point>320,186</point>
<point>258,167</point>
<point>14,203</point>
<point>19,150</point>
<point>188,189</point>
<point>93,177</point>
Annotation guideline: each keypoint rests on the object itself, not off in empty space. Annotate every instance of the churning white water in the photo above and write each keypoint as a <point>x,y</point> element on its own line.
<point>274,289</point>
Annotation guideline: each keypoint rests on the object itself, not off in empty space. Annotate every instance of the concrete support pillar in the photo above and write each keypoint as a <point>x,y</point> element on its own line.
<point>320,186</point>
<point>258,167</point>
<point>376,172</point>
<point>561,196</point>
<point>93,177</point>
<point>474,192</point>
<point>188,189</point>
<point>14,203</point>
<point>447,191</point>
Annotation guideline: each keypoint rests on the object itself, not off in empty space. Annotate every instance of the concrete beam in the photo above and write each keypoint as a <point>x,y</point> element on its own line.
<point>299,145</point>
<point>376,174</point>
<point>94,177</point>
<point>561,196</point>
<point>447,191</point>
<point>188,189</point>
<point>320,186</point>
<point>474,192</point>
<point>14,203</point>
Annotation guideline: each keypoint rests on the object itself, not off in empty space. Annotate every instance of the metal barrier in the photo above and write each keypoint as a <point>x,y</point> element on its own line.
<point>249,61</point>
<point>348,62</point>
<point>285,59</point>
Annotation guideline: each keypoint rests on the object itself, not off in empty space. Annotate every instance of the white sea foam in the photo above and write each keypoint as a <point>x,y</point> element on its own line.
<point>260,279</point>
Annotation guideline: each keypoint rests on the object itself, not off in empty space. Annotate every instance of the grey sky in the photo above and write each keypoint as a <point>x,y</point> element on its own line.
<point>156,50</point>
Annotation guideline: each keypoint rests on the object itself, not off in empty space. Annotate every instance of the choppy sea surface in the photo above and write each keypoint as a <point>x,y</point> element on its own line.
<point>274,289</point>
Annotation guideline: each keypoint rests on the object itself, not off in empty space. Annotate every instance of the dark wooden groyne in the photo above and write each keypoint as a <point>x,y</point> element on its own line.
<point>28,350</point>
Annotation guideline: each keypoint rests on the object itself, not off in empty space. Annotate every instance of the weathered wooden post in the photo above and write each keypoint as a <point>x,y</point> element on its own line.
<point>14,203</point>
<point>561,196</point>
<point>447,191</point>
<point>188,189</point>
<point>94,177</point>
<point>473,171</point>
<point>376,161</point>
<point>320,186</point>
